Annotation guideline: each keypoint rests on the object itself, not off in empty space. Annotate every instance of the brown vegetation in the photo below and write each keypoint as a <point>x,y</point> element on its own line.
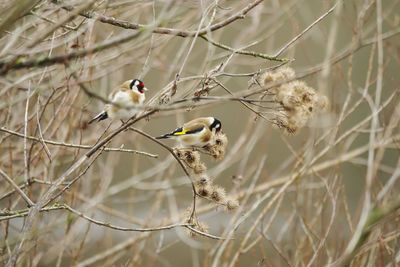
<point>307,93</point>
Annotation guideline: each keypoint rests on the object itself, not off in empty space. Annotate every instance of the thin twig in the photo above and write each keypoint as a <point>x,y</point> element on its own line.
<point>9,215</point>
<point>43,34</point>
<point>358,237</point>
<point>286,46</point>
<point>55,143</point>
<point>41,139</point>
<point>244,217</point>
<point>179,161</point>
<point>375,216</point>
<point>203,233</point>
<point>34,210</point>
<point>119,228</point>
<point>41,61</point>
<point>244,52</point>
<point>66,26</point>
<point>312,70</point>
<point>160,30</point>
<point>26,171</point>
<point>276,248</point>
<point>16,187</point>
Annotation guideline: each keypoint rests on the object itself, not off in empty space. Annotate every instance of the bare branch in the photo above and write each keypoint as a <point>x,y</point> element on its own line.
<point>16,187</point>
<point>286,46</point>
<point>244,52</point>
<point>42,61</point>
<point>160,30</point>
<point>63,144</point>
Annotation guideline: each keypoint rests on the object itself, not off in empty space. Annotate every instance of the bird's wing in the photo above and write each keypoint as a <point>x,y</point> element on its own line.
<point>114,92</point>
<point>187,129</point>
<point>121,96</point>
<point>122,87</point>
<point>191,127</point>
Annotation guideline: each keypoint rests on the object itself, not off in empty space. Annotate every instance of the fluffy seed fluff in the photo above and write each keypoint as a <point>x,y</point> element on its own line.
<point>217,145</point>
<point>273,76</point>
<point>297,101</point>
<point>232,204</point>
<point>195,223</point>
<point>191,159</point>
<point>203,186</point>
<point>206,189</point>
<point>218,194</point>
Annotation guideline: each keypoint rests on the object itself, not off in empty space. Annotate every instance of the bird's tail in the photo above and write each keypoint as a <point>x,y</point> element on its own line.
<point>99,117</point>
<point>164,136</point>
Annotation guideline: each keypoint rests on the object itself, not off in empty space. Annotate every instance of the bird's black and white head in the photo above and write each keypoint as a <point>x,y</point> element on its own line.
<point>216,125</point>
<point>137,85</point>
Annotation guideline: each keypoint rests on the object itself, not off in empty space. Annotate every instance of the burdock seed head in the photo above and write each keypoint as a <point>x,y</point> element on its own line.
<point>218,194</point>
<point>232,204</point>
<point>191,159</point>
<point>299,103</point>
<point>199,168</point>
<point>203,186</point>
<point>279,74</point>
<point>217,145</point>
<point>204,191</point>
<point>202,181</point>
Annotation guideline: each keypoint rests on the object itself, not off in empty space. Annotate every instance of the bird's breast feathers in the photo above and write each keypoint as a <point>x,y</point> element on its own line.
<point>127,98</point>
<point>124,98</point>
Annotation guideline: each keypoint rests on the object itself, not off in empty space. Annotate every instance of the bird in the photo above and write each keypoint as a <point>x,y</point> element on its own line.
<point>195,133</point>
<point>123,97</point>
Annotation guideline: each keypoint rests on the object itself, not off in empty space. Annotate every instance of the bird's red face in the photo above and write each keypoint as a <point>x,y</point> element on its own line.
<point>141,87</point>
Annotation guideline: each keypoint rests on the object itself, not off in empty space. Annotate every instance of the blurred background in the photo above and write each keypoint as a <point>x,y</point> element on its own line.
<point>304,197</point>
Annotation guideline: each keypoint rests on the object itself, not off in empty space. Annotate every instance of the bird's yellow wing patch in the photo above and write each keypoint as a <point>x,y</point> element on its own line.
<point>186,130</point>
<point>180,132</point>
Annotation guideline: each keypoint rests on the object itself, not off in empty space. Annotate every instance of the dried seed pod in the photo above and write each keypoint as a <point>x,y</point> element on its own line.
<point>218,194</point>
<point>279,74</point>
<point>297,101</point>
<point>217,146</point>
<point>191,158</point>
<point>203,187</point>
<point>232,204</point>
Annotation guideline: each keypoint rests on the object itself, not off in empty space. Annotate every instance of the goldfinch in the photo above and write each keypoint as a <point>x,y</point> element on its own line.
<point>126,95</point>
<point>197,132</point>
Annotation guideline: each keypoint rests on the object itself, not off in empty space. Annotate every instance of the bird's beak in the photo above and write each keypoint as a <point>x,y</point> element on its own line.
<point>145,89</point>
